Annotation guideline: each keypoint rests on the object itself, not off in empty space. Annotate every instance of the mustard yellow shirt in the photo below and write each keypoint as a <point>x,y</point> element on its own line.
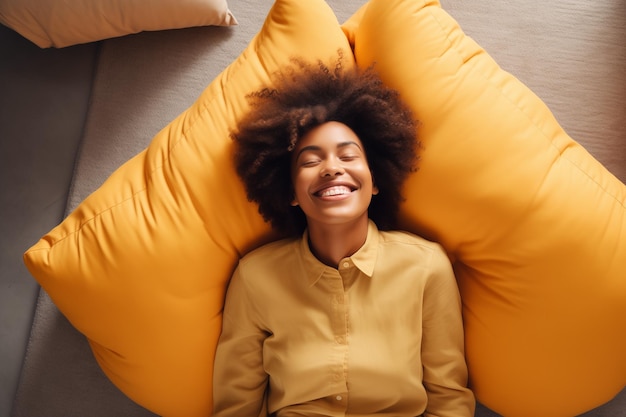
<point>382,335</point>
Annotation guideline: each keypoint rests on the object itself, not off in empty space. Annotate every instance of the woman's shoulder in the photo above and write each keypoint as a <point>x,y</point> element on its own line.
<point>410,249</point>
<point>406,244</point>
<point>402,238</point>
<point>270,252</point>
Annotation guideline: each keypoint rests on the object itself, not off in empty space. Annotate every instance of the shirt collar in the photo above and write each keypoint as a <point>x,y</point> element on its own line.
<point>364,259</point>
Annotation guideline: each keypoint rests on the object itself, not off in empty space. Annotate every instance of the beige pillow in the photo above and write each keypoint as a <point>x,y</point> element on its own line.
<point>61,23</point>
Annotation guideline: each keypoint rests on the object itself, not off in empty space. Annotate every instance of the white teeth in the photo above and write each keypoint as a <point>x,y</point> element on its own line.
<point>339,190</point>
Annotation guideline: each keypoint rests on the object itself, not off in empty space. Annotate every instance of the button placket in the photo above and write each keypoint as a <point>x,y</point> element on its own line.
<point>339,328</point>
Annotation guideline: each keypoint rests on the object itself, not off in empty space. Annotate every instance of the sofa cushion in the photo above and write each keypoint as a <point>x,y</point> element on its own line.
<point>535,225</point>
<point>63,23</point>
<point>141,266</point>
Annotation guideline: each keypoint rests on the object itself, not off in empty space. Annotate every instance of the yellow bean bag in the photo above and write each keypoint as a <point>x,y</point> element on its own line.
<point>535,225</point>
<point>141,266</point>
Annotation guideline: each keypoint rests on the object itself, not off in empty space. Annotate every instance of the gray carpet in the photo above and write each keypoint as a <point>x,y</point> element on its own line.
<point>571,53</point>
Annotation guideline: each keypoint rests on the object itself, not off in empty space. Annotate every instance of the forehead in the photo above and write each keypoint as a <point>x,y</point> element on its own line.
<point>329,134</point>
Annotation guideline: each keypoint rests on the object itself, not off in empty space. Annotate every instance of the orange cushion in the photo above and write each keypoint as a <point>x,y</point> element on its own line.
<point>535,225</point>
<point>141,266</point>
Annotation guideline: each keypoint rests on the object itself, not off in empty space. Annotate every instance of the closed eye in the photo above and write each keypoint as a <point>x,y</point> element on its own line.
<point>349,157</point>
<point>310,162</point>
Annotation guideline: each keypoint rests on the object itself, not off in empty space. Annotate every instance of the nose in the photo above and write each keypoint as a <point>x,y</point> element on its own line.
<point>332,167</point>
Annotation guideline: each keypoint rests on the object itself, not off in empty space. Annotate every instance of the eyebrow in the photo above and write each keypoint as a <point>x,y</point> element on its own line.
<point>314,148</point>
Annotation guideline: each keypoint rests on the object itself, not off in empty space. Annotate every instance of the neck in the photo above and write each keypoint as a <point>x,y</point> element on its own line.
<point>331,243</point>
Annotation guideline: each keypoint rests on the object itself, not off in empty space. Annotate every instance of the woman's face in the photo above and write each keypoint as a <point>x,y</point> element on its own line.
<point>331,177</point>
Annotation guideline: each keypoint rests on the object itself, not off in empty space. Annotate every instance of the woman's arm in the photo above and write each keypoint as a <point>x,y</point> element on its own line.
<point>443,353</point>
<point>239,380</point>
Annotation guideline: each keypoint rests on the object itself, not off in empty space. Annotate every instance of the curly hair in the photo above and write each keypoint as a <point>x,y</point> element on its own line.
<point>304,96</point>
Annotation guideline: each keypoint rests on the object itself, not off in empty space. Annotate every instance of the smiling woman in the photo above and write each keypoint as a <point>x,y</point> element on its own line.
<point>339,317</point>
<point>333,186</point>
<point>304,96</point>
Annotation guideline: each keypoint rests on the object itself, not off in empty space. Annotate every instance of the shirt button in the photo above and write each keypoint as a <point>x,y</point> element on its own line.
<point>346,264</point>
<point>339,397</point>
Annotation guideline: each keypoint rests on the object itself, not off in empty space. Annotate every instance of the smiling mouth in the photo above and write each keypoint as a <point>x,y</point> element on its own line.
<point>333,191</point>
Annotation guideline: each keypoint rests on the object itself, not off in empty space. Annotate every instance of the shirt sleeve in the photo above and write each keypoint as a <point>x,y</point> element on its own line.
<point>239,379</point>
<point>443,352</point>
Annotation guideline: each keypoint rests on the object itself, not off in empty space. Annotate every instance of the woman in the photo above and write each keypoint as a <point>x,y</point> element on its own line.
<point>342,317</point>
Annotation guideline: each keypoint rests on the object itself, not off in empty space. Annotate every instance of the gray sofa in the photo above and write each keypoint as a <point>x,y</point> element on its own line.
<point>69,117</point>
